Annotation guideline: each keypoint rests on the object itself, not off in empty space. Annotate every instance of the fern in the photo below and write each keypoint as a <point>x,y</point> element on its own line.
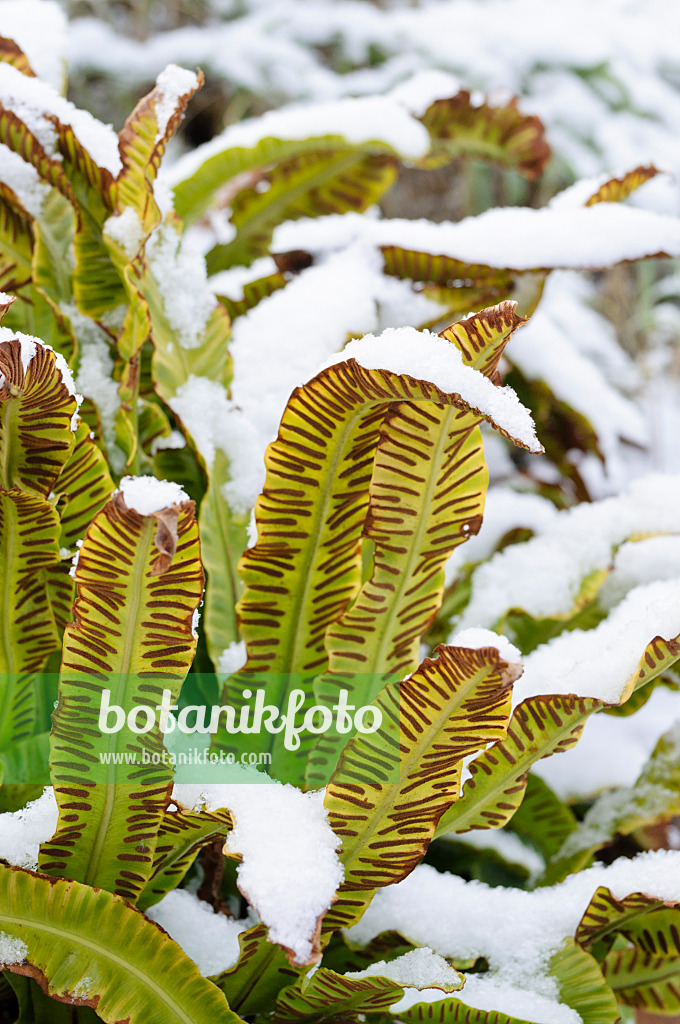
<point>146,623</point>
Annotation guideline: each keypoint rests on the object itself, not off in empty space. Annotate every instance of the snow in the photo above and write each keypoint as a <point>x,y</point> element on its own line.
<point>146,494</point>
<point>641,561</point>
<point>601,662</point>
<point>173,83</point>
<point>282,342</point>
<point>94,378</point>
<point>421,968</point>
<point>517,237</point>
<point>476,638</point>
<point>217,422</point>
<point>22,832</point>
<point>39,28</point>
<point>290,870</point>
<point>581,191</point>
<point>574,350</point>
<point>367,119</point>
<point>203,406</point>
<point>650,798</point>
<point>525,238</point>
<point>12,949</point>
<point>621,103</point>
<point>174,441</point>
<point>179,271</point>
<point>484,993</point>
<point>425,976</point>
<point>516,930</point>
<point>543,350</point>
<point>426,356</point>
<point>74,560</point>
<point>232,657</point>
<point>277,346</point>
<point>126,230</point>
<point>420,91</point>
<point>23,179</point>
<point>34,101</point>
<point>504,510</point>
<point>319,235</point>
<point>28,347</point>
<point>507,845</point>
<point>543,576</point>
<point>209,938</point>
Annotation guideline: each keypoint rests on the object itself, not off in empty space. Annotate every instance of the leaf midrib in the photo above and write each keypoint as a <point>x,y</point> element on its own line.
<point>329,478</point>
<point>9,415</point>
<point>406,766</point>
<point>126,966</point>
<point>136,590</point>
<point>520,767</point>
<point>263,215</point>
<point>379,662</point>
<point>9,579</point>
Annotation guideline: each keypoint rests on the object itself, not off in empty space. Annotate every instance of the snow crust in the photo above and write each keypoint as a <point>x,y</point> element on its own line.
<point>179,270</point>
<point>426,356</point>
<point>543,576</point>
<point>425,976</point>
<point>516,930</point>
<point>12,949</point>
<point>23,179</point>
<point>22,832</point>
<point>519,237</point>
<point>232,657</point>
<point>290,869</point>
<point>33,100</point>
<point>173,83</point>
<point>146,494</point>
<point>209,938</point>
<point>477,637</point>
<point>126,230</point>
<point>600,662</point>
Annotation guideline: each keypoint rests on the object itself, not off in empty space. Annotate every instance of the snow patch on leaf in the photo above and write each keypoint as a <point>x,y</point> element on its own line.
<point>289,870</point>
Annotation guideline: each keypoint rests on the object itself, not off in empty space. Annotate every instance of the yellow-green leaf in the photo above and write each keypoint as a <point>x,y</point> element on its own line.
<point>90,948</point>
<point>392,786</point>
<point>139,581</point>
<point>36,408</point>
